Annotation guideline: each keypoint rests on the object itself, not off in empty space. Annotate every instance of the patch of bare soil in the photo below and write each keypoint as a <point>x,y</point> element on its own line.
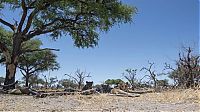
<point>171,101</point>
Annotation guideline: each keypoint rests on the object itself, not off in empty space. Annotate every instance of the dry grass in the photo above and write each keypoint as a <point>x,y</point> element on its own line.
<point>188,95</point>
<point>176,100</point>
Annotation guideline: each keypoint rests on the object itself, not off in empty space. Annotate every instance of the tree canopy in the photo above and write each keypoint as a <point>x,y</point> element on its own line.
<point>114,81</point>
<point>31,63</point>
<point>81,19</point>
<point>37,61</point>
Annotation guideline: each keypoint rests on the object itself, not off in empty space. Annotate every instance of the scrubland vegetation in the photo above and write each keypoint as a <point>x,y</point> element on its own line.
<point>83,20</point>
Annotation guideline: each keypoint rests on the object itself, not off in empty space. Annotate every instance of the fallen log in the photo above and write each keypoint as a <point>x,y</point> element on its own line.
<point>43,95</point>
<point>28,91</point>
<point>6,86</point>
<point>89,92</point>
<point>85,92</point>
<point>125,95</point>
<point>140,92</point>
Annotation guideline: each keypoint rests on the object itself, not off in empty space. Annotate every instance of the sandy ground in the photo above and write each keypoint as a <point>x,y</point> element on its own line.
<point>172,101</point>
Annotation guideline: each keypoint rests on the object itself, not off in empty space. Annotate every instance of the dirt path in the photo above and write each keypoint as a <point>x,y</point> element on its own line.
<point>153,102</point>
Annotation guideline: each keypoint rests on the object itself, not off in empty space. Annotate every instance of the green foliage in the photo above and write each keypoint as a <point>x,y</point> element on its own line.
<point>34,81</point>
<point>81,19</point>
<point>37,61</point>
<point>113,81</point>
<point>6,37</point>
<point>68,83</point>
<point>33,61</point>
<point>31,44</point>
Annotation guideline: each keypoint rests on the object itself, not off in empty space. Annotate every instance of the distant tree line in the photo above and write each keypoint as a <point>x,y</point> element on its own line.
<point>185,73</point>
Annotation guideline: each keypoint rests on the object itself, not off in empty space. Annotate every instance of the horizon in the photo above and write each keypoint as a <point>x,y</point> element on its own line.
<point>159,31</point>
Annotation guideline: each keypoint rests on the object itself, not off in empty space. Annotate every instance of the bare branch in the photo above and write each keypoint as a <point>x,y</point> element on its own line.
<point>22,73</point>
<point>2,60</point>
<point>7,24</point>
<point>144,77</point>
<point>72,77</point>
<point>168,66</point>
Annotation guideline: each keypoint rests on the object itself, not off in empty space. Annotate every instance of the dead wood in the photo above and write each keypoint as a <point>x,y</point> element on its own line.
<point>43,95</point>
<point>140,91</point>
<point>125,95</point>
<point>5,86</point>
<point>89,92</point>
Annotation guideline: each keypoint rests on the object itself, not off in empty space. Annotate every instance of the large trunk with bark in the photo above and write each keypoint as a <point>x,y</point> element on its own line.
<point>12,61</point>
<point>27,80</point>
<point>10,76</point>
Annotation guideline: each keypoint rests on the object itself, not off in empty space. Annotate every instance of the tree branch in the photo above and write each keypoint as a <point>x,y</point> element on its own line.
<point>37,50</point>
<point>168,66</point>
<point>34,12</point>
<point>44,30</point>
<point>7,24</point>
<point>2,60</point>
<point>72,77</point>
<point>30,20</point>
<point>22,73</point>
<point>23,4</point>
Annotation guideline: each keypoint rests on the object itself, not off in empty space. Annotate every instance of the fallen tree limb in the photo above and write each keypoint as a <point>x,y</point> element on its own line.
<point>43,95</point>
<point>8,85</point>
<point>125,95</point>
<point>140,92</point>
<point>89,92</point>
<point>86,92</point>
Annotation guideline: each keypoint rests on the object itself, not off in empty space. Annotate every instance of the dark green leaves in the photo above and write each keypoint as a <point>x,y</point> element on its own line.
<point>81,19</point>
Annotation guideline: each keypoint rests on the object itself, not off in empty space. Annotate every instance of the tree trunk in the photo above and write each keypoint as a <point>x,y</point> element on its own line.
<point>10,76</point>
<point>79,85</point>
<point>155,84</point>
<point>26,83</point>
<point>12,61</point>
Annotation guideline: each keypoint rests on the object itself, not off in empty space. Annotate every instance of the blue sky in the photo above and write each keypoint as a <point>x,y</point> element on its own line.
<point>157,33</point>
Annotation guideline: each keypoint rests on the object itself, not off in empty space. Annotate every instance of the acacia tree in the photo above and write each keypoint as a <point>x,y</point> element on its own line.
<point>34,81</point>
<point>114,81</point>
<point>81,19</point>
<point>31,63</point>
